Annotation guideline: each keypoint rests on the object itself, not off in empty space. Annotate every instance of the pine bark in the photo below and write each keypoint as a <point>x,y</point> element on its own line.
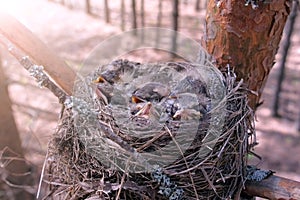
<point>245,38</point>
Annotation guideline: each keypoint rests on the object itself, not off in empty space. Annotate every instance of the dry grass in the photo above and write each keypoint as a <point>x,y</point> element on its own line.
<point>92,157</point>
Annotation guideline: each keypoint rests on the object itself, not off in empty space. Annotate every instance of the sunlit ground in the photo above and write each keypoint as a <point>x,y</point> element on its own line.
<point>20,9</point>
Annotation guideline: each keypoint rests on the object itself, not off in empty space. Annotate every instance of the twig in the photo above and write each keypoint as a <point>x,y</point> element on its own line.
<point>121,185</point>
<point>274,188</point>
<point>185,161</point>
<point>149,142</point>
<point>42,176</point>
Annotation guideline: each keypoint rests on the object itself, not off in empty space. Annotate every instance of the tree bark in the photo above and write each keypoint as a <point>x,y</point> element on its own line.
<point>107,11</point>
<point>274,188</point>
<point>245,38</point>
<point>286,45</point>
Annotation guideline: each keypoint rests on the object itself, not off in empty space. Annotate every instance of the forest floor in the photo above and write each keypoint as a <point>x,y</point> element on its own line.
<point>73,35</point>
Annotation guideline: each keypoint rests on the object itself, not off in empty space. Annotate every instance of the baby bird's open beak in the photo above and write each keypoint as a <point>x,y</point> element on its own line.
<point>187,114</point>
<point>101,95</point>
<point>102,89</point>
<point>144,111</point>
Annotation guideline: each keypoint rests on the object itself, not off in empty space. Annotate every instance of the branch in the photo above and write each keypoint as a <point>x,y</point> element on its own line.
<point>274,188</point>
<point>27,42</point>
<point>35,71</point>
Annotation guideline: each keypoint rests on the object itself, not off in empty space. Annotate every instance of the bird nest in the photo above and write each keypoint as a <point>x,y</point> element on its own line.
<point>172,130</point>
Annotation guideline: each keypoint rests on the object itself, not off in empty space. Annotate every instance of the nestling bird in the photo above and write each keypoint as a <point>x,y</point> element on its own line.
<point>104,89</point>
<point>183,99</point>
<point>183,106</point>
<point>116,72</point>
<point>142,110</point>
<point>152,92</point>
<point>187,114</point>
<point>144,97</point>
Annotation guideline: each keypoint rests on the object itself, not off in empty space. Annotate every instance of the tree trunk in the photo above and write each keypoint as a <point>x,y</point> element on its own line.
<point>142,19</point>
<point>175,15</point>
<point>10,146</point>
<point>107,11</point>
<point>197,6</point>
<point>8,130</point>
<point>143,13</point>
<point>158,22</point>
<point>298,125</point>
<point>245,38</point>
<point>123,15</point>
<point>70,4</point>
<point>87,6</point>
<point>134,21</point>
<point>286,45</point>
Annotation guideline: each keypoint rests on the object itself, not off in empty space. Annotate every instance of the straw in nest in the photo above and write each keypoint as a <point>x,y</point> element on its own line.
<point>127,135</point>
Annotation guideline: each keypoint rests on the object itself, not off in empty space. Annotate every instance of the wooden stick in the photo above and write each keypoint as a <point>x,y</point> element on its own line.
<point>274,188</point>
<point>23,39</point>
